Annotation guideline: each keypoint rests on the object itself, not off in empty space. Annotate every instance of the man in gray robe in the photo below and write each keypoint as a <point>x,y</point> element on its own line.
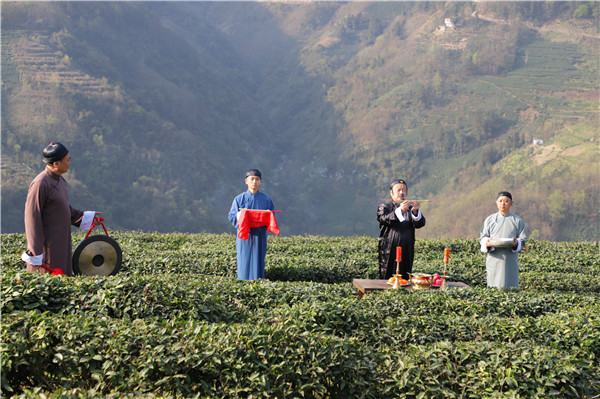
<point>502,262</point>
<point>48,215</point>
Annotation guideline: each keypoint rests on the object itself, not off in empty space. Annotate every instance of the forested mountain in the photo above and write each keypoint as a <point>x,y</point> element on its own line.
<point>165,105</point>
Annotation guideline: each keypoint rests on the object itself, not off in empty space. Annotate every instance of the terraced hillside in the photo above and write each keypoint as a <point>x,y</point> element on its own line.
<point>166,104</point>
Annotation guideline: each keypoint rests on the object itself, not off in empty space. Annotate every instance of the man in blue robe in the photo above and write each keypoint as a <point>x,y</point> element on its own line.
<point>251,252</point>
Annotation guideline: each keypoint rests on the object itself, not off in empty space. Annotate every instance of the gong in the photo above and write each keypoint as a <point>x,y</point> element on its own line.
<point>97,255</point>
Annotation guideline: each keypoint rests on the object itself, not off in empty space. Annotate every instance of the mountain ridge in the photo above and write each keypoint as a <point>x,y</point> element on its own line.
<point>345,98</point>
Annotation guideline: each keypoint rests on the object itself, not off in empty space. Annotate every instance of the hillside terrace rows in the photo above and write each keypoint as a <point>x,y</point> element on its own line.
<point>44,68</point>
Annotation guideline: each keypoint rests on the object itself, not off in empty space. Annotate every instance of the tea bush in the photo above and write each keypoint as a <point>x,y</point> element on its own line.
<point>175,322</point>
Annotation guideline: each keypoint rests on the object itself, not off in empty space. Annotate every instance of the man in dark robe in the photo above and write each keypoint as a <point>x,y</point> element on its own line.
<point>251,251</point>
<point>398,220</point>
<point>49,216</point>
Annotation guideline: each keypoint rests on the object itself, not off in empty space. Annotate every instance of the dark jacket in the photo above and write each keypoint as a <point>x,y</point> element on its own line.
<point>392,234</point>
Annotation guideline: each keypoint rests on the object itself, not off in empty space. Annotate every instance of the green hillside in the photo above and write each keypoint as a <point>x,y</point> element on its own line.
<point>164,106</point>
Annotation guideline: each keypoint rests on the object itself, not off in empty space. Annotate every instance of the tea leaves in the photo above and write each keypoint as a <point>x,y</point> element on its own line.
<point>176,323</point>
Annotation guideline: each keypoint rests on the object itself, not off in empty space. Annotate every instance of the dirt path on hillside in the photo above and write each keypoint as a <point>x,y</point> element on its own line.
<point>549,152</point>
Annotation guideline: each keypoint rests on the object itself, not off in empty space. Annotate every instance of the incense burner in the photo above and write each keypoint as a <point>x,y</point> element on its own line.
<point>420,281</point>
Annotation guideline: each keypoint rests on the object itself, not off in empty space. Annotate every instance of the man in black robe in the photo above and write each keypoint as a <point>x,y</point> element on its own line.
<point>397,223</point>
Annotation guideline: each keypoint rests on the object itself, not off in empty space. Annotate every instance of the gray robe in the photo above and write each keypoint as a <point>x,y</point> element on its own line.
<point>502,264</point>
<point>48,220</point>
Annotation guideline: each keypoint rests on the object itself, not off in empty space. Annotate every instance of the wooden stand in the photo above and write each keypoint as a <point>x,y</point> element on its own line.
<point>366,286</point>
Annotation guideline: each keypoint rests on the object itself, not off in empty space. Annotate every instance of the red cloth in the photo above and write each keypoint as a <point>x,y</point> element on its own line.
<point>256,218</point>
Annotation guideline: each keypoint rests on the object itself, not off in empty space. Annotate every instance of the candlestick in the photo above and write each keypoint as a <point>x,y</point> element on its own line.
<point>446,259</point>
<point>398,259</point>
<point>396,281</point>
<point>444,286</point>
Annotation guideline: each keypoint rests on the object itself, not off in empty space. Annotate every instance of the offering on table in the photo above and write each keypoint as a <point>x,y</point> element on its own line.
<point>401,281</point>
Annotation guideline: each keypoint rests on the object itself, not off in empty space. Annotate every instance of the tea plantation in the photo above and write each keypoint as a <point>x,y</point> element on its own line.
<point>175,322</point>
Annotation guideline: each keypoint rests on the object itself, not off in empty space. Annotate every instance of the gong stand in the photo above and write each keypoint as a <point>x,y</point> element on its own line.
<point>97,255</point>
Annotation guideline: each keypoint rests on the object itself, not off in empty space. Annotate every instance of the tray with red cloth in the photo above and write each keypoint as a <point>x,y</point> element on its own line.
<point>250,218</point>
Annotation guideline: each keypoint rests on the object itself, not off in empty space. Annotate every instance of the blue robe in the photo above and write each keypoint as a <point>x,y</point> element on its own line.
<point>251,252</point>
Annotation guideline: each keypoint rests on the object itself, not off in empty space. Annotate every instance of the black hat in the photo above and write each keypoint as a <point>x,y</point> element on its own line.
<point>397,181</point>
<point>54,152</point>
<point>253,172</point>
<point>504,194</point>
